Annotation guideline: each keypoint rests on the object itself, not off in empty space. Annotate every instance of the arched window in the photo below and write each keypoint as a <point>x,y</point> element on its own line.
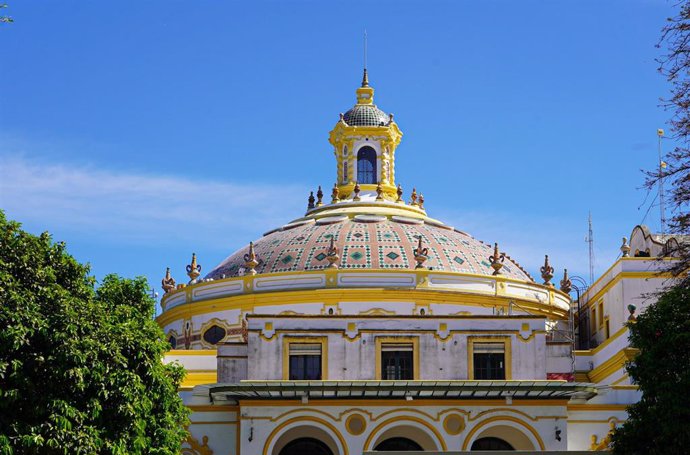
<point>304,446</point>
<point>172,341</point>
<point>366,165</point>
<point>214,334</point>
<point>401,444</point>
<point>491,444</point>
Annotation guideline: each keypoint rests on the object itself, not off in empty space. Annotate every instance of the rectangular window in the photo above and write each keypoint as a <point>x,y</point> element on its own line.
<point>489,361</point>
<point>593,322</point>
<point>601,314</point>
<point>346,177</point>
<point>397,361</point>
<point>305,362</point>
<point>608,329</point>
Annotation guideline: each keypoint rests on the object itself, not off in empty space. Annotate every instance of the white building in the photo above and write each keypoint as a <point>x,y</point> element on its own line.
<point>367,325</point>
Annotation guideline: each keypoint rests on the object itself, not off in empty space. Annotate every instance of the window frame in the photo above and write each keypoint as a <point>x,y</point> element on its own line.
<point>507,356</point>
<point>287,341</point>
<point>414,341</point>
<point>374,163</point>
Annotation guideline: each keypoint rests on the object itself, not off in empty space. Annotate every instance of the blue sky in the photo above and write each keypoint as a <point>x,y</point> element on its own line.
<point>139,132</point>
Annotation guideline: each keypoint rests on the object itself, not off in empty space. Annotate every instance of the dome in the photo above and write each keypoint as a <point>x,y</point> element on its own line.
<point>366,115</point>
<point>367,242</point>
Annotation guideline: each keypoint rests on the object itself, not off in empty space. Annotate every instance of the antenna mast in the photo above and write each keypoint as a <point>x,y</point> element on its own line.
<point>662,166</point>
<point>590,240</point>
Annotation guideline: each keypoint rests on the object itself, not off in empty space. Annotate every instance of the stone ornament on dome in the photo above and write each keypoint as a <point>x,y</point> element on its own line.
<point>319,197</point>
<point>421,254</point>
<point>547,271</point>
<point>413,197</point>
<point>421,201</point>
<point>250,261</point>
<point>379,192</point>
<point>356,191</point>
<point>497,260</point>
<point>168,283</point>
<point>399,192</point>
<point>335,194</point>
<point>193,270</point>
<point>310,201</point>
<point>332,255</point>
<point>566,284</point>
<point>625,248</point>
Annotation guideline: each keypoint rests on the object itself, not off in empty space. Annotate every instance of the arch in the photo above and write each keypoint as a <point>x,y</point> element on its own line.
<point>491,443</point>
<point>413,428</point>
<point>302,446</point>
<point>514,431</point>
<point>366,166</point>
<point>305,427</point>
<point>397,444</point>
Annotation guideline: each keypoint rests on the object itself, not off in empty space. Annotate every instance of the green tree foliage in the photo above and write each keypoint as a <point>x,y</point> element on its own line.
<point>658,423</point>
<point>674,64</point>
<point>81,368</point>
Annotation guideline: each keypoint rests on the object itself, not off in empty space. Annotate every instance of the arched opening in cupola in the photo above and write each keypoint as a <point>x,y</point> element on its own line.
<point>366,165</point>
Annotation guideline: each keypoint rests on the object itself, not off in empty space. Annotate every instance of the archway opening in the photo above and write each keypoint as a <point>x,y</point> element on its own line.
<point>303,446</point>
<point>366,165</point>
<point>491,443</point>
<point>399,437</point>
<point>400,444</point>
<point>305,439</point>
<point>504,433</point>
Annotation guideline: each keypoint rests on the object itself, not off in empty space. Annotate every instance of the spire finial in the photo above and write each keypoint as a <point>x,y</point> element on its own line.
<point>566,284</point>
<point>332,255</point>
<point>193,270</point>
<point>421,254</point>
<point>546,271</point>
<point>497,260</point>
<point>168,282</point>
<point>250,260</point>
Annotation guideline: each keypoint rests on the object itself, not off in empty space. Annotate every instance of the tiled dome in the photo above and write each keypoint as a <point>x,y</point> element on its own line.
<point>377,243</point>
<point>366,115</point>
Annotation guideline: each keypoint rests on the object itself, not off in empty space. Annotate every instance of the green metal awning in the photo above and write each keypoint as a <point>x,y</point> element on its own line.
<point>536,390</point>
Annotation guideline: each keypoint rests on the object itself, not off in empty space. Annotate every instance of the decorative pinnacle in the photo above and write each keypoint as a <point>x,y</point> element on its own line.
<point>193,270</point>
<point>625,248</point>
<point>421,201</point>
<point>547,271</point>
<point>319,197</point>
<point>356,191</point>
<point>400,193</point>
<point>421,254</point>
<point>332,255</point>
<point>335,194</point>
<point>497,260</point>
<point>250,261</point>
<point>566,284</point>
<point>310,201</point>
<point>168,283</point>
<point>631,309</point>
<point>365,79</point>
<point>379,192</point>
<point>413,197</point>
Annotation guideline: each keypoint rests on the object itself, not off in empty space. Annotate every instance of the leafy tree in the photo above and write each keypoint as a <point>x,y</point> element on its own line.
<point>658,423</point>
<point>81,369</point>
<point>674,64</point>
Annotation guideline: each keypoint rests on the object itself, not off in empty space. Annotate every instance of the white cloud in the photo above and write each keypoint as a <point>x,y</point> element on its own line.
<point>142,208</point>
